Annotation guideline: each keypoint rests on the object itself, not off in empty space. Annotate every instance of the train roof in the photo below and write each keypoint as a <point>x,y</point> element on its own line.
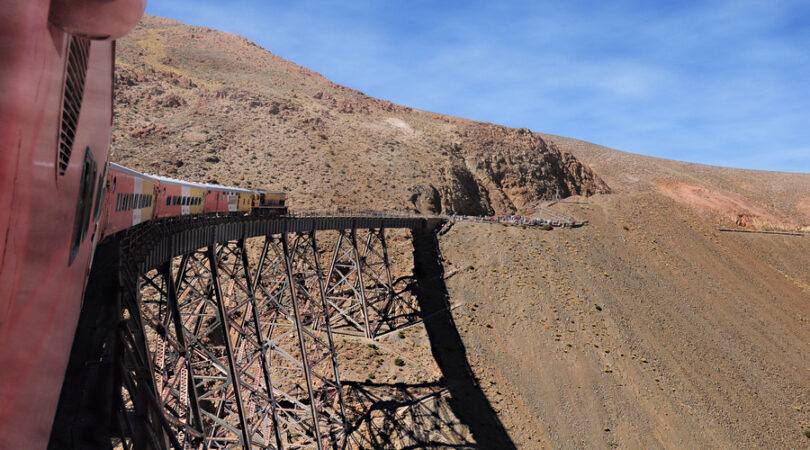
<point>129,171</point>
<point>211,187</point>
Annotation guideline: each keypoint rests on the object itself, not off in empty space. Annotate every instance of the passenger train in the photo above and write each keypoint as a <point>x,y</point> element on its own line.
<point>132,198</point>
<point>59,196</point>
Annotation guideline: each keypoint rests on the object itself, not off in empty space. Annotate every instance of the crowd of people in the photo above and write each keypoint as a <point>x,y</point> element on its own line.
<point>511,220</point>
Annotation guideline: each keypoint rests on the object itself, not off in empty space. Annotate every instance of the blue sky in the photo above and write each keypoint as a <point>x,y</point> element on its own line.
<point>715,82</point>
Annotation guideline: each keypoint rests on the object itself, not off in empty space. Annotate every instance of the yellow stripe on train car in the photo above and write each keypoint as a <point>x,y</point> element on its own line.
<point>197,205</point>
<point>243,202</point>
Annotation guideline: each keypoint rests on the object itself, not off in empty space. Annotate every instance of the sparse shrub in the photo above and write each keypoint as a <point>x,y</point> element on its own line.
<point>401,335</point>
<point>547,227</point>
<point>372,346</point>
<point>626,228</point>
<point>597,306</point>
<point>399,362</point>
<point>807,433</point>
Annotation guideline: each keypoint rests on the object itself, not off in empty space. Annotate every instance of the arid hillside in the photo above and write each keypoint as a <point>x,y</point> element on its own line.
<point>745,198</point>
<point>200,104</point>
<point>647,328</point>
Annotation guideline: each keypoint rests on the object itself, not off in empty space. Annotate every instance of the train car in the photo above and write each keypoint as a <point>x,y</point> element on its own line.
<point>56,79</point>
<point>178,198</point>
<point>269,203</point>
<point>224,199</point>
<point>130,199</point>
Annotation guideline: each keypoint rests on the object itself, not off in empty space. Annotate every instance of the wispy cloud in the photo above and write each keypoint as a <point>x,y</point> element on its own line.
<point>720,82</point>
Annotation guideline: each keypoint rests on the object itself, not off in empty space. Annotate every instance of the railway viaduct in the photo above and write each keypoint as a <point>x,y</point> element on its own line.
<point>218,332</point>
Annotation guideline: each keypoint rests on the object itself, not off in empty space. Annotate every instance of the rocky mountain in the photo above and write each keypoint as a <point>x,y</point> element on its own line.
<point>200,104</point>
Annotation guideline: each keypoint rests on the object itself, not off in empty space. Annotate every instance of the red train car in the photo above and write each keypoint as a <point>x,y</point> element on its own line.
<point>56,75</point>
<point>178,198</point>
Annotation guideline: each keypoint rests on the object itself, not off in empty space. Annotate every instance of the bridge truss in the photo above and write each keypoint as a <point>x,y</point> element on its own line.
<point>227,328</point>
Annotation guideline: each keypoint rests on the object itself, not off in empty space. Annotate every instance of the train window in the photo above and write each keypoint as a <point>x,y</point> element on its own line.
<point>84,206</point>
<point>118,203</point>
<point>168,201</point>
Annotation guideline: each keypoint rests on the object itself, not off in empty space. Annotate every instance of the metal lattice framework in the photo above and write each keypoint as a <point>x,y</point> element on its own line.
<point>231,345</point>
<point>360,288</point>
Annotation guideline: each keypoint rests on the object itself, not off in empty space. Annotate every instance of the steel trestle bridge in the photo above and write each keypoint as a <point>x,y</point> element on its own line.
<point>218,332</point>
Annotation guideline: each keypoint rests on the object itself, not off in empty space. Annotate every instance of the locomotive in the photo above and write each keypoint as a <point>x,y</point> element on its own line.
<point>59,196</point>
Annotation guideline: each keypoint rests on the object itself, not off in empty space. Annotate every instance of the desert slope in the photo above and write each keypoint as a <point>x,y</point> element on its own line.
<point>700,338</point>
<point>200,104</point>
<point>777,200</point>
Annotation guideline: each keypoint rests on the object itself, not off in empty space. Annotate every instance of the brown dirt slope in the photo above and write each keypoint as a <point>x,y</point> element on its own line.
<point>200,104</point>
<point>752,198</point>
<point>700,339</point>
